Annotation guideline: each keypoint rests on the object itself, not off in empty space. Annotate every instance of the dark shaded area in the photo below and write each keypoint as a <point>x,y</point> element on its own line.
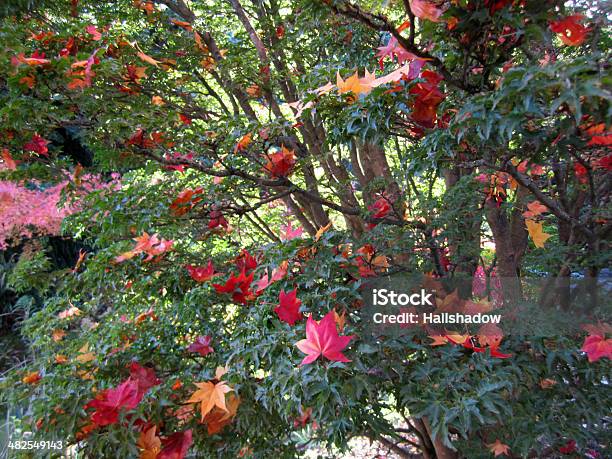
<point>67,139</point>
<point>14,307</point>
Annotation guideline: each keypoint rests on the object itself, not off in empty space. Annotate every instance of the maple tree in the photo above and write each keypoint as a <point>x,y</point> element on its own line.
<point>195,197</point>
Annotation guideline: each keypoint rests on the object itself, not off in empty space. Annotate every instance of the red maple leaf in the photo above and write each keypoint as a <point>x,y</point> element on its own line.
<point>201,345</point>
<point>427,98</point>
<point>262,283</point>
<point>237,286</point>
<point>35,59</point>
<point>177,158</point>
<point>304,418</point>
<point>41,36</point>
<point>288,233</point>
<point>394,49</point>
<point>144,377</point>
<point>217,219</point>
<point>425,9</point>
<point>152,140</point>
<point>280,163</point>
<point>185,201</point>
<point>289,308</point>
<point>469,344</point>
<point>322,339</point>
<point>110,402</point>
<point>568,448</point>
<point>602,138</point>
<point>581,172</point>
<point>176,445</point>
<point>93,31</point>
<point>496,5</point>
<point>186,120</point>
<point>69,48</point>
<point>603,163</point>
<point>201,273</point>
<point>380,209</point>
<point>245,261</point>
<point>38,145</point>
<point>570,31</point>
<point>280,271</point>
<point>597,347</point>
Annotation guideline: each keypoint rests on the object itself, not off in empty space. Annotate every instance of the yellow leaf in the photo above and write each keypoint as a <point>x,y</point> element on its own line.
<point>456,338</point>
<point>538,236</point>
<point>208,63</point>
<point>84,355</point>
<point>490,335</point>
<point>380,261</point>
<point>210,395</point>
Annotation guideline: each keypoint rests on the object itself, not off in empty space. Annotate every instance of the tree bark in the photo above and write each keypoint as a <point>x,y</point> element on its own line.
<point>510,236</point>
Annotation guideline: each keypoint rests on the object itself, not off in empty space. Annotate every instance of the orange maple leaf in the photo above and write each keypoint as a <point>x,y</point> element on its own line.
<point>355,84</point>
<point>210,395</point>
<point>148,59</point>
<point>32,378</point>
<point>340,320</point>
<point>183,24</point>
<point>217,419</point>
<point>244,142</point>
<point>547,383</point>
<point>498,448</point>
<point>58,334</point>
<point>535,209</point>
<point>321,231</point>
<point>149,443</point>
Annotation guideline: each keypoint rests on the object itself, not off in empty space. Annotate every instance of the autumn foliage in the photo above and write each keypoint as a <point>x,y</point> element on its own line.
<point>195,198</point>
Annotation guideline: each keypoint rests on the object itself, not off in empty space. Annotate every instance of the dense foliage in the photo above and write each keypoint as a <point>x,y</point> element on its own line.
<point>228,175</point>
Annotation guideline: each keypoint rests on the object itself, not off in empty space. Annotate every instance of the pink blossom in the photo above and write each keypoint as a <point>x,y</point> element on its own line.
<point>31,209</point>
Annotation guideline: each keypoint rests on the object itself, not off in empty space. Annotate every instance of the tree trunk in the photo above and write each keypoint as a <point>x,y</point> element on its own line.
<point>510,236</point>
